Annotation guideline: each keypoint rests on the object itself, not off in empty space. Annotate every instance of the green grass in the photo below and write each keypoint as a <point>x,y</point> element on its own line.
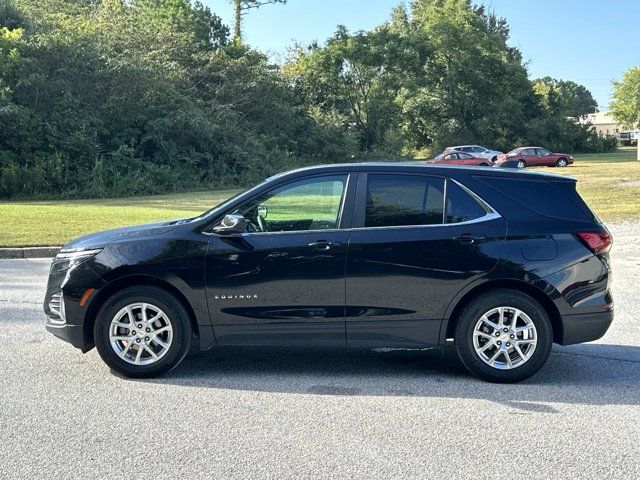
<point>610,183</point>
<point>56,222</point>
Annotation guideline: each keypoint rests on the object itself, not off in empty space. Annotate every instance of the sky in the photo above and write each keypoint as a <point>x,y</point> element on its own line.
<point>591,42</point>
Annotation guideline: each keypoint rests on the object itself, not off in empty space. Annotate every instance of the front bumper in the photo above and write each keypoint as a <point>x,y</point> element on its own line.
<point>585,327</point>
<point>76,335</point>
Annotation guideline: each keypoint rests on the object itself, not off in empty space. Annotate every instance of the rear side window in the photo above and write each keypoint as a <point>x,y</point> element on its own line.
<point>542,196</point>
<point>398,200</point>
<point>461,206</point>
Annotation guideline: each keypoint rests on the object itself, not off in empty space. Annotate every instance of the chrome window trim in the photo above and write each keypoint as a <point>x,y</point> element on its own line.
<point>486,218</point>
<point>492,214</point>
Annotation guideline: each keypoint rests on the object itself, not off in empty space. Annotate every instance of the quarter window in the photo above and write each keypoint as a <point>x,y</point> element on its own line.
<point>398,200</point>
<point>462,207</point>
<point>309,204</point>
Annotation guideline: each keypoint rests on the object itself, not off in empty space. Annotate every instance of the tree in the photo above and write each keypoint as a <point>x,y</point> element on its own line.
<point>565,98</point>
<point>240,8</point>
<point>625,106</point>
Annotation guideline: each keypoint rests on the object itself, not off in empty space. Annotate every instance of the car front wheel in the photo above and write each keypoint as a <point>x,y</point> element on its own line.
<point>562,162</point>
<point>142,332</point>
<point>521,164</point>
<point>504,336</point>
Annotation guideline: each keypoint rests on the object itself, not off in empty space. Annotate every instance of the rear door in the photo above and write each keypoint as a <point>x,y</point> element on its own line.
<point>416,241</point>
<point>530,156</point>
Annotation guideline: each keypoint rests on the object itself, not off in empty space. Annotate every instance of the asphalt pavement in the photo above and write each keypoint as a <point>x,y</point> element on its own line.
<point>317,413</point>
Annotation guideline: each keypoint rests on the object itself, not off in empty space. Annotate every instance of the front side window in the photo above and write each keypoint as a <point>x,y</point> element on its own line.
<point>309,204</point>
<point>400,200</point>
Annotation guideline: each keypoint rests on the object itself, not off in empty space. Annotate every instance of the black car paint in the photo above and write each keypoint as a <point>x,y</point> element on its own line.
<point>374,286</point>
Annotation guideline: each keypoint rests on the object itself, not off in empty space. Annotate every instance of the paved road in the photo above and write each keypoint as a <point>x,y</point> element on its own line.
<point>292,413</point>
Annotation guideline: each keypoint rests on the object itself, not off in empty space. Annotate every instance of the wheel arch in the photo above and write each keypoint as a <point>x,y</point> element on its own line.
<point>121,283</point>
<point>513,284</point>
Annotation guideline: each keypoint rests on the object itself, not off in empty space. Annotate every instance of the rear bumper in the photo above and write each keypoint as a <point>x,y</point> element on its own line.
<point>73,334</point>
<point>585,327</point>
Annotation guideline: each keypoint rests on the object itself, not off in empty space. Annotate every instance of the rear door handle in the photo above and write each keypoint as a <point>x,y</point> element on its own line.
<point>323,244</point>
<point>468,239</point>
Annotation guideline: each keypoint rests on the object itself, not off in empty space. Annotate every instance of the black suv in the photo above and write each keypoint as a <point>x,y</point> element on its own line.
<point>403,255</point>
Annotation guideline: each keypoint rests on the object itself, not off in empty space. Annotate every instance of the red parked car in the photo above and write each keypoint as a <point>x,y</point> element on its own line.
<point>453,157</point>
<point>534,156</point>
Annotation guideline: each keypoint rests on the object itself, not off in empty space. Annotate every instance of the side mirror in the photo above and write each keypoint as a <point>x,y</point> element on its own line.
<point>231,224</point>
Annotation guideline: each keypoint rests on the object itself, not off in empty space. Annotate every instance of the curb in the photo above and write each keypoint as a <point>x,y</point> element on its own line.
<point>29,252</point>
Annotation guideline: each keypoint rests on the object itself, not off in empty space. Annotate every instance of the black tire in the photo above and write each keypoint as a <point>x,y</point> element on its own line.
<point>561,162</point>
<point>494,159</point>
<point>484,165</point>
<point>482,304</point>
<point>175,312</point>
<point>521,162</point>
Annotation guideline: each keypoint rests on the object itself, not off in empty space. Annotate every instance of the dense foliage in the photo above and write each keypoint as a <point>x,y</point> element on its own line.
<point>115,97</point>
<point>625,106</point>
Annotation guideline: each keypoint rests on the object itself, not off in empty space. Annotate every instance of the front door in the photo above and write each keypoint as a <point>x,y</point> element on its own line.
<point>415,244</point>
<point>283,280</point>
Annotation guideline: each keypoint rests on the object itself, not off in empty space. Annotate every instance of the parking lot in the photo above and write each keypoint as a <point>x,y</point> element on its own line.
<point>319,413</point>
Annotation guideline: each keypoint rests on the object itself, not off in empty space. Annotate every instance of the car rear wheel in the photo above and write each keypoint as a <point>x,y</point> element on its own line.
<point>142,332</point>
<point>503,336</point>
<point>522,164</point>
<point>562,162</point>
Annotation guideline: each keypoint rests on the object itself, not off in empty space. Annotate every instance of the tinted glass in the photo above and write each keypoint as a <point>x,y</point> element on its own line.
<point>462,207</point>
<point>542,196</point>
<point>466,149</point>
<point>542,151</point>
<point>396,200</point>
<point>310,204</point>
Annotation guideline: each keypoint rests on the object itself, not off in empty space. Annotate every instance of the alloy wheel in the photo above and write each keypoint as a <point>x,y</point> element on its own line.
<point>140,333</point>
<point>505,338</point>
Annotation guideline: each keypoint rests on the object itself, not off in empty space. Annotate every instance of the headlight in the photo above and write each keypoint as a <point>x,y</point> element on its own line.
<point>66,260</point>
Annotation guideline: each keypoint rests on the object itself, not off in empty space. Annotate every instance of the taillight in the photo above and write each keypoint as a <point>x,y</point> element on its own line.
<point>597,242</point>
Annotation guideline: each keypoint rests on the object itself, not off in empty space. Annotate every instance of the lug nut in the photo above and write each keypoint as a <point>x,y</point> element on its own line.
<point>505,329</point>
<point>137,340</point>
<point>508,344</point>
<point>497,334</point>
<point>140,325</point>
<point>133,332</point>
<point>146,339</point>
<point>512,336</point>
<point>148,329</point>
<point>499,342</point>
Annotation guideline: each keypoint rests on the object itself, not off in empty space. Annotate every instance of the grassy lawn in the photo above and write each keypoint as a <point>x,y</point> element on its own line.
<point>610,183</point>
<point>56,222</point>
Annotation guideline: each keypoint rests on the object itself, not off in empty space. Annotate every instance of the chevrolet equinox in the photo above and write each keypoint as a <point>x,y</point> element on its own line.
<point>504,263</point>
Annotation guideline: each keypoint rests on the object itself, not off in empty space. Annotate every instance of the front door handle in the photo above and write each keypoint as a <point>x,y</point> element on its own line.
<point>323,245</point>
<point>468,239</point>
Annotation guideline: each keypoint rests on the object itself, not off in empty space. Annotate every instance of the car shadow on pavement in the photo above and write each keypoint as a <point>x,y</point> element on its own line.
<point>590,374</point>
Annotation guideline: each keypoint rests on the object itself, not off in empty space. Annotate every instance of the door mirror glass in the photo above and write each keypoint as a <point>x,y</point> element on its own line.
<point>231,224</point>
